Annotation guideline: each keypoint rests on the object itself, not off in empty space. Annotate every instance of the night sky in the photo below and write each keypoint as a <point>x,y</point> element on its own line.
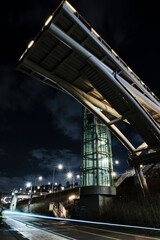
<point>40,126</point>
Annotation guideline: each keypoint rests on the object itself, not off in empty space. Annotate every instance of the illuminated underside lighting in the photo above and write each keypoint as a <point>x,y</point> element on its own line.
<point>130,69</point>
<point>22,55</point>
<point>48,20</point>
<point>114,52</point>
<point>80,221</point>
<point>72,9</point>
<point>95,33</point>
<point>30,44</point>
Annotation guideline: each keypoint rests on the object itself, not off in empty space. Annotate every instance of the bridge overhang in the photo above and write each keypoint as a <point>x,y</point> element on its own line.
<point>71,56</point>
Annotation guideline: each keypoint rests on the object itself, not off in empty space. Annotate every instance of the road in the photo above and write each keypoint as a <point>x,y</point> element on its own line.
<point>34,228</point>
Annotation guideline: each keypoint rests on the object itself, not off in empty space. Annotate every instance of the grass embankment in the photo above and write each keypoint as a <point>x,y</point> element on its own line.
<point>134,210</point>
<point>131,207</point>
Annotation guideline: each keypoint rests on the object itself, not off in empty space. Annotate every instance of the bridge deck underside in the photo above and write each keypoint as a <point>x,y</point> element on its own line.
<point>107,85</point>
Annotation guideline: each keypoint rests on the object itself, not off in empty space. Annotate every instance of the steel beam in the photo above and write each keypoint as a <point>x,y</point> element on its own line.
<point>111,54</point>
<point>97,64</point>
<point>71,90</point>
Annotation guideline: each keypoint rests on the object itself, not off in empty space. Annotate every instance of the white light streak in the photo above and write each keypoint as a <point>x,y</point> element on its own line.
<point>80,221</point>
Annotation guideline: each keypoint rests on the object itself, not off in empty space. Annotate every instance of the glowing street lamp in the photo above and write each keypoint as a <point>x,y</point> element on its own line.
<point>40,178</point>
<point>70,176</point>
<point>29,185</point>
<point>78,176</point>
<point>114,174</point>
<point>116,162</point>
<point>59,167</point>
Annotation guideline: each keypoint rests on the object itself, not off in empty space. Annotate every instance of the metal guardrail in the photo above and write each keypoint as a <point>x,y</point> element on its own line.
<point>129,173</point>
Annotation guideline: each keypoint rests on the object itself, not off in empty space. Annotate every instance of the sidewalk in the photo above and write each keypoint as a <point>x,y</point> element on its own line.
<point>16,230</point>
<point>7,233</point>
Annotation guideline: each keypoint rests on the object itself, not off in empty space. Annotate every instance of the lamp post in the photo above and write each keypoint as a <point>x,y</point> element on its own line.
<point>40,178</point>
<point>70,176</point>
<point>29,185</point>
<point>59,167</point>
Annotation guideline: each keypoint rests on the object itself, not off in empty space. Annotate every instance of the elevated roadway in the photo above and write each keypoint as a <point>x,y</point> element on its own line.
<point>68,54</point>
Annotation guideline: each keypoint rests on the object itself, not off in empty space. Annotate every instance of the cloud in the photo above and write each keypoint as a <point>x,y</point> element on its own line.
<point>7,184</point>
<point>18,92</point>
<point>47,162</point>
<point>50,159</point>
<point>66,114</point>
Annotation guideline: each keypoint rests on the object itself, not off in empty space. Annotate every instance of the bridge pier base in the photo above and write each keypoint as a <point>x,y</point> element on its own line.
<point>13,202</point>
<point>94,201</point>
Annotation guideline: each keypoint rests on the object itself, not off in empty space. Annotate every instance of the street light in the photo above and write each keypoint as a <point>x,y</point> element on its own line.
<point>29,185</point>
<point>40,178</point>
<point>70,176</point>
<point>59,167</point>
<point>114,174</point>
<point>116,162</point>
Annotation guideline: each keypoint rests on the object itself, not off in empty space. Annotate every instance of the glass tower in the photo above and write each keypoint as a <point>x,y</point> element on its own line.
<point>97,166</point>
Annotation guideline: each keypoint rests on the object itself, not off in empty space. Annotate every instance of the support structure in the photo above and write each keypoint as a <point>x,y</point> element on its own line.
<point>13,203</point>
<point>142,181</point>
<point>97,168</point>
<point>69,55</point>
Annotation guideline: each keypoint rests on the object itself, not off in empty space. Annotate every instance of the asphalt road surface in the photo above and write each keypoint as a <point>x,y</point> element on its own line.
<point>34,228</point>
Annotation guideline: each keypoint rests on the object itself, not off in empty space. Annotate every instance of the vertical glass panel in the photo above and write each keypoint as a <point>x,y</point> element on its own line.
<point>97,166</point>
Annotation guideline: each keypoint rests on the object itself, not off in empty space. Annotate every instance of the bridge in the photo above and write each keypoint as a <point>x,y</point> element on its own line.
<point>68,54</point>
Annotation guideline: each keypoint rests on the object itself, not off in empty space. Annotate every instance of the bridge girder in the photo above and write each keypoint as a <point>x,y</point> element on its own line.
<point>94,75</point>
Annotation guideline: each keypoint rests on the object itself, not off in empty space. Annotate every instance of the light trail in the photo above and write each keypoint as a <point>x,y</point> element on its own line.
<point>80,221</point>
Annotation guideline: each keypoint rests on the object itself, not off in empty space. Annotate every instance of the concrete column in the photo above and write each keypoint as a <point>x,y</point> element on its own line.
<point>13,202</point>
<point>97,168</point>
<point>142,181</point>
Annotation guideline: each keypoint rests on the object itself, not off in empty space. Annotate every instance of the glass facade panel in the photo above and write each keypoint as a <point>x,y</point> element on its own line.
<point>97,167</point>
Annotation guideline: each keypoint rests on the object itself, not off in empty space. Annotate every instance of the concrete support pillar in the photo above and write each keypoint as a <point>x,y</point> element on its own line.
<point>97,168</point>
<point>13,202</point>
<point>142,181</point>
<point>94,201</point>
